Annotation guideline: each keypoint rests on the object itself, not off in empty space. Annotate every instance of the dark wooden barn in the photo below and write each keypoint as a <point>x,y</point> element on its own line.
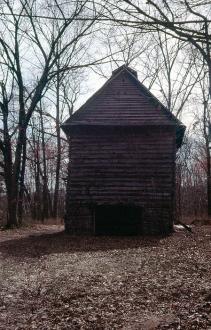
<point>123,144</point>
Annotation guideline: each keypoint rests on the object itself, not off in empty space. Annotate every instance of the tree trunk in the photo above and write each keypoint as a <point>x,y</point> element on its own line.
<point>209,195</point>
<point>21,183</point>
<point>37,197</point>
<point>10,180</point>
<point>58,161</point>
<point>46,202</point>
<point>12,200</point>
<point>56,189</point>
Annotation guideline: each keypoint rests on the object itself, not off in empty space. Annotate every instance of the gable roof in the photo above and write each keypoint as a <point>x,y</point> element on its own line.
<point>123,101</point>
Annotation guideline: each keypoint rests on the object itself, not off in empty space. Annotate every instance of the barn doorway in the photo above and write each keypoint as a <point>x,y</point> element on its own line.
<point>118,219</point>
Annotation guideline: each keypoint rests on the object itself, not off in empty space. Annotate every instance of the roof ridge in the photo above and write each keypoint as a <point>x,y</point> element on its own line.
<point>147,93</point>
<point>98,92</point>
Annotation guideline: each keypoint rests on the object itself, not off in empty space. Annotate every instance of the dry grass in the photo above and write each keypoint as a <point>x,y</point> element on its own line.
<point>49,280</point>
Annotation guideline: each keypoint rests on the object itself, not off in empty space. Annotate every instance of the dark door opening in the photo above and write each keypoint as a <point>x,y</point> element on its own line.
<point>118,220</point>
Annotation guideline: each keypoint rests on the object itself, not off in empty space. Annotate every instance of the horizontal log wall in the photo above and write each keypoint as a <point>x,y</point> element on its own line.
<point>129,167</point>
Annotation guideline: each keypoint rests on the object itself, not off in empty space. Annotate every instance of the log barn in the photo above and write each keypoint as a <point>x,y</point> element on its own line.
<point>122,149</point>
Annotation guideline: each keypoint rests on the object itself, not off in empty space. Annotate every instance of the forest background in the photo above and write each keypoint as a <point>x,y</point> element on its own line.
<point>55,54</point>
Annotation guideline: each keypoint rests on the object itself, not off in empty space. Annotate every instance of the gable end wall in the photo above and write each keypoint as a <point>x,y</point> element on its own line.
<point>127,166</point>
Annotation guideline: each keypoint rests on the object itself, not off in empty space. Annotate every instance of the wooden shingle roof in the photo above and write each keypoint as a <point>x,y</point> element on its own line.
<point>124,101</point>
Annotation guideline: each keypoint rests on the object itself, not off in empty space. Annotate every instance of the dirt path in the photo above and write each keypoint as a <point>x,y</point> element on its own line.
<point>50,280</point>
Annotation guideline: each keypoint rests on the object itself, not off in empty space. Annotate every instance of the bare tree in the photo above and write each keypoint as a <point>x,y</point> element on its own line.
<point>185,20</point>
<point>201,127</point>
<point>25,77</point>
<point>176,77</point>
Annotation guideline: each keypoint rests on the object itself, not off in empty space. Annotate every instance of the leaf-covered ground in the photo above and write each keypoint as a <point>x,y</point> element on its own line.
<point>49,280</point>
